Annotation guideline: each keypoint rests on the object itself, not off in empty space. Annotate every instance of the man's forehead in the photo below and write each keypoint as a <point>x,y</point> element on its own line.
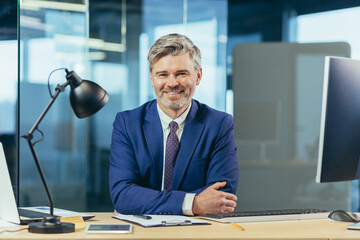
<point>174,61</point>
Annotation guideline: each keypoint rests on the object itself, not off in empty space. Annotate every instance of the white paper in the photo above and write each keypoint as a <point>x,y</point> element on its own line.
<point>161,220</point>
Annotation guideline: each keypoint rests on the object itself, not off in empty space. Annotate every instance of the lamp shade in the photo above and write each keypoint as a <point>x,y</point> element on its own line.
<point>86,97</point>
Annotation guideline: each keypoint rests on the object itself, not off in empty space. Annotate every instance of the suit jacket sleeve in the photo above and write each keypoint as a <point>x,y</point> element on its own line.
<point>224,165</point>
<point>218,142</point>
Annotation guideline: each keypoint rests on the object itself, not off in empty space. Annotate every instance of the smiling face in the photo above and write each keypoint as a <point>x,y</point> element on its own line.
<point>174,80</point>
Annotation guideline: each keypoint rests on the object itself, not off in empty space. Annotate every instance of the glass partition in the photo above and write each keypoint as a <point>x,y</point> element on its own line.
<point>53,35</point>
<point>106,42</point>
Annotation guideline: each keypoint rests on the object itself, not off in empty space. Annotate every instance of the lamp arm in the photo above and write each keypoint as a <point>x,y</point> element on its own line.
<point>31,145</point>
<point>29,136</point>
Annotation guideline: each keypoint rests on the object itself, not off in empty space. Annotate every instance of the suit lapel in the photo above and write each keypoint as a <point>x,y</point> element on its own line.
<point>154,138</point>
<point>190,137</point>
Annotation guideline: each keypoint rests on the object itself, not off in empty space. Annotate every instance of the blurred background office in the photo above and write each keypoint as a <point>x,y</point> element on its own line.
<point>107,41</point>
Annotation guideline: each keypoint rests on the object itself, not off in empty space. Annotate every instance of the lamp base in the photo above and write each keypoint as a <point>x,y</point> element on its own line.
<point>51,224</point>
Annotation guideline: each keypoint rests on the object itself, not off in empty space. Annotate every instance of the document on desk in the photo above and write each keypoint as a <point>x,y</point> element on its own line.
<point>161,220</point>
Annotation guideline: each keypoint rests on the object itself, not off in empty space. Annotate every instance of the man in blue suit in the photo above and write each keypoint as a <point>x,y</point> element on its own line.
<point>173,155</point>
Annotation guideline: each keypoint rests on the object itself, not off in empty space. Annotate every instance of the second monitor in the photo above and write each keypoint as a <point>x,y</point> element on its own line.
<point>339,144</point>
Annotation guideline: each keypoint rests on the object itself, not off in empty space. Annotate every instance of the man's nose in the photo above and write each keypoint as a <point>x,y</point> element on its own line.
<point>172,82</point>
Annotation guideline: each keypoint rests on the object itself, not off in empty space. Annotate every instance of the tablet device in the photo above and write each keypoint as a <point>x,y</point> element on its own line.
<point>108,228</point>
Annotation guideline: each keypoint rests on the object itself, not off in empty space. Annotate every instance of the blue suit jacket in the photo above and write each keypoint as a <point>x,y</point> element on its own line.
<point>207,155</point>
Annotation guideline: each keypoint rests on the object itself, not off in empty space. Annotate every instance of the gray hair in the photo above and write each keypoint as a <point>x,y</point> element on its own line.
<point>174,44</point>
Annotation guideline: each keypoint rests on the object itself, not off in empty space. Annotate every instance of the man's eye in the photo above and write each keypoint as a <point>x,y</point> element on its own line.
<point>162,75</point>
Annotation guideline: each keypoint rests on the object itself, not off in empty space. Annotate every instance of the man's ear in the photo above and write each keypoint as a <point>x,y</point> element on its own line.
<point>151,80</point>
<point>198,76</point>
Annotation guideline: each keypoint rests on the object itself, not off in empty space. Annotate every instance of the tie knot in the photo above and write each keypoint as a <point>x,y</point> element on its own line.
<point>173,126</point>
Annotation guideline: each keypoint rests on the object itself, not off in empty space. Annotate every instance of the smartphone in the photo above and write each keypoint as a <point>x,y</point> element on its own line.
<point>108,228</point>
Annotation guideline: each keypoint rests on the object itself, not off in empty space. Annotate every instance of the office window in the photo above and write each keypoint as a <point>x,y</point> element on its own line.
<point>106,42</point>
<point>336,26</point>
<point>8,83</point>
<point>8,90</point>
<point>333,26</point>
<point>50,42</point>
<point>209,22</point>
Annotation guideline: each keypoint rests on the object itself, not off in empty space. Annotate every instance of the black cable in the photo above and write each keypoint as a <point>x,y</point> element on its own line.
<point>10,231</point>
<point>49,79</point>
<point>42,136</point>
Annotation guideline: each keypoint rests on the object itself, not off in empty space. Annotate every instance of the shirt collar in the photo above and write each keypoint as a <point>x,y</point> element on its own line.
<point>165,119</point>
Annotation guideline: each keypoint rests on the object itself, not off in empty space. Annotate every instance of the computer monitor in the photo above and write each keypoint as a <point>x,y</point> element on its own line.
<point>339,142</point>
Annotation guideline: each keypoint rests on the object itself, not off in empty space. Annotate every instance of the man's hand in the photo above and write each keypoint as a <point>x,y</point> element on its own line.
<point>211,200</point>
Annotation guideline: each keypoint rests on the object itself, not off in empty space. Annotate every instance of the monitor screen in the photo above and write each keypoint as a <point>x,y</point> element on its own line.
<point>339,141</point>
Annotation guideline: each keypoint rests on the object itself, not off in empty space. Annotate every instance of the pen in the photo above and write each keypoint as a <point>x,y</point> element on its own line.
<point>238,227</point>
<point>147,217</point>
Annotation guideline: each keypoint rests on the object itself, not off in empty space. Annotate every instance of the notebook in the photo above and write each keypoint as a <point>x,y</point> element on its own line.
<point>8,208</point>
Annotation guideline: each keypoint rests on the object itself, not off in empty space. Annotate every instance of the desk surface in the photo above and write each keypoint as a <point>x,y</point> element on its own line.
<point>306,229</point>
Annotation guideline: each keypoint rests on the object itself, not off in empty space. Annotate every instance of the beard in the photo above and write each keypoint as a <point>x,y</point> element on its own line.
<point>176,104</point>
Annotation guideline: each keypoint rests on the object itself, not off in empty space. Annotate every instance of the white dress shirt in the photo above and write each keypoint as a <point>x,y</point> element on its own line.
<point>165,121</point>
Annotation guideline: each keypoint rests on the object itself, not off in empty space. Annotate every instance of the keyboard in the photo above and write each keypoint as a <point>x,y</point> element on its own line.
<point>269,215</point>
<point>31,214</point>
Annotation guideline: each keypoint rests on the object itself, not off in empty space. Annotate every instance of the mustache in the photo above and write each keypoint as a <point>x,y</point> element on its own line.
<point>173,89</point>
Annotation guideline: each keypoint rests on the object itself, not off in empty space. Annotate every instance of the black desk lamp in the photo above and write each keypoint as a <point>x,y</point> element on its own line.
<point>86,98</point>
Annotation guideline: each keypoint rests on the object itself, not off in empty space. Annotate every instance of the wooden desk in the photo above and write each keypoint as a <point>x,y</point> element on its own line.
<point>306,229</point>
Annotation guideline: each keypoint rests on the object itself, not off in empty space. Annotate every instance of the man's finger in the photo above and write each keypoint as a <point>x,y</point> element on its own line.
<point>230,196</point>
<point>229,203</point>
<point>227,209</point>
